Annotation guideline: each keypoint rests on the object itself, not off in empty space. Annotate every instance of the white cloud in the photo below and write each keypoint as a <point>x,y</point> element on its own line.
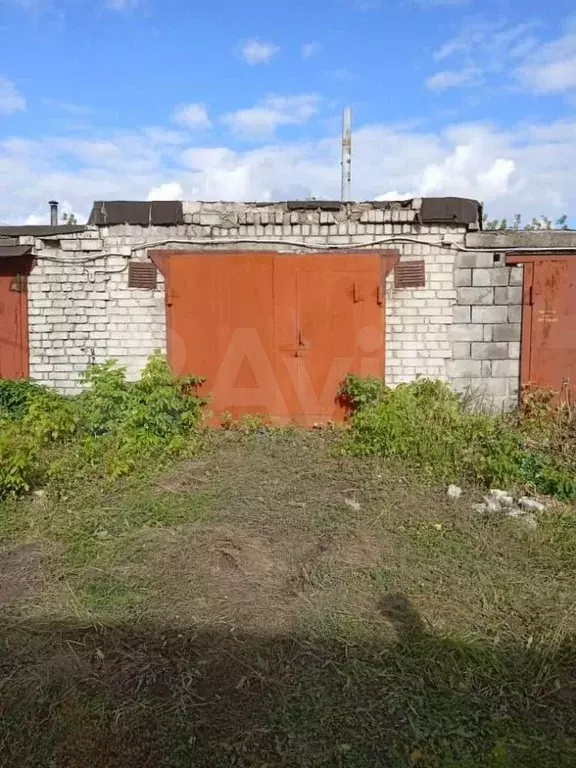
<point>551,67</point>
<point>446,79</point>
<point>171,190</point>
<point>10,100</point>
<point>192,116</point>
<point>264,118</point>
<point>524,170</point>
<point>258,52</point>
<point>308,50</point>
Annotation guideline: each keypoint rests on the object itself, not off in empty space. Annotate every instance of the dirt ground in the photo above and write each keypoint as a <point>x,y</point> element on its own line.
<point>271,602</point>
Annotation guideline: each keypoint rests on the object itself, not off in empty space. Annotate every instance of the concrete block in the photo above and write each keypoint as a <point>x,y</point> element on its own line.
<point>516,276</point>
<point>507,332</point>
<point>488,332</point>
<point>506,368</point>
<point>463,278</point>
<point>90,245</point>
<point>514,350</point>
<point>489,351</point>
<point>461,350</point>
<point>496,387</point>
<point>461,314</point>
<point>511,295</point>
<point>514,314</point>
<point>457,369</point>
<point>476,260</point>
<point>481,277</point>
<point>475,296</point>
<point>490,314</point>
<point>468,332</point>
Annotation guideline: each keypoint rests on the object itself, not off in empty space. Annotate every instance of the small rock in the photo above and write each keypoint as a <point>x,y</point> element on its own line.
<point>40,493</point>
<point>492,504</point>
<point>480,508</point>
<point>353,504</point>
<point>531,505</point>
<point>454,492</point>
<point>502,497</point>
<point>515,513</point>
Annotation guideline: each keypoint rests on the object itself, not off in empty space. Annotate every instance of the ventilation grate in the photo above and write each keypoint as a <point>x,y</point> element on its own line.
<point>410,274</point>
<point>142,274</point>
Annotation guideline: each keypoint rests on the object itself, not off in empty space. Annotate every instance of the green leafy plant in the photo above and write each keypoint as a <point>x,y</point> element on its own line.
<point>427,424</point>
<point>108,429</point>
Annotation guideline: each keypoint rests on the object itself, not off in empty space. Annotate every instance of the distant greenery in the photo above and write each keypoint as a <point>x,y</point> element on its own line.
<point>517,224</point>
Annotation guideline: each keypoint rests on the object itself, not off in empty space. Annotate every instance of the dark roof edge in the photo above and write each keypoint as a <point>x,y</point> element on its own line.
<point>431,210</point>
<point>14,251</point>
<point>41,230</point>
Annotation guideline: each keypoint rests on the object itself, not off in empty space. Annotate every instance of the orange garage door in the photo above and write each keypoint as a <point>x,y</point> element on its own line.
<point>275,334</point>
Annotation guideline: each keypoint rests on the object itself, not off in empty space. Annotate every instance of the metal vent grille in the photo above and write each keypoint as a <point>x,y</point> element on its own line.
<point>142,274</point>
<point>410,274</point>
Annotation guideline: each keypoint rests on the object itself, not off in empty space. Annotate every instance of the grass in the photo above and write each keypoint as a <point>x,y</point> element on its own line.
<point>235,610</point>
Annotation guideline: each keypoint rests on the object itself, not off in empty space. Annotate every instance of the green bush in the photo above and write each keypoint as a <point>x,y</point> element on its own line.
<point>16,396</point>
<point>426,423</point>
<point>108,429</point>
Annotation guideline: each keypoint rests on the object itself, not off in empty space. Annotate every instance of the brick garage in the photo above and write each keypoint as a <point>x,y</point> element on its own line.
<point>462,325</point>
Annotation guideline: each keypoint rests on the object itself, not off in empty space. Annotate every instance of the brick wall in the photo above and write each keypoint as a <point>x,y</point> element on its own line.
<point>486,328</point>
<point>82,312</point>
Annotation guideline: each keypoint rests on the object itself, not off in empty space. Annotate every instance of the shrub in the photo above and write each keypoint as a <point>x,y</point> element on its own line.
<point>108,429</point>
<point>16,396</point>
<point>426,423</point>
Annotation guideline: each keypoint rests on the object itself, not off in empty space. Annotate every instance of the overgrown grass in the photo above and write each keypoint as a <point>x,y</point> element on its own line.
<point>428,424</point>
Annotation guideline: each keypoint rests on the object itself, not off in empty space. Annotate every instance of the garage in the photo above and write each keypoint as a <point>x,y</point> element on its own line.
<point>275,333</point>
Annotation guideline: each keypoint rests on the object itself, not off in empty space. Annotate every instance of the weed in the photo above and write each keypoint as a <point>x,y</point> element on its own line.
<point>426,423</point>
<point>107,430</point>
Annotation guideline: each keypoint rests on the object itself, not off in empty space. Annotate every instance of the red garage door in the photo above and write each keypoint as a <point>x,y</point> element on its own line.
<point>275,334</point>
<point>14,318</point>
<point>549,322</point>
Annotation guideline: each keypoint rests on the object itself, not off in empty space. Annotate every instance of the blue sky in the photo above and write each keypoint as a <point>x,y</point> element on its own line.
<point>137,99</point>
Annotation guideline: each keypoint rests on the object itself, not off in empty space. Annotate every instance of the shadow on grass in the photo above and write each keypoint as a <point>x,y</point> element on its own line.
<point>136,696</point>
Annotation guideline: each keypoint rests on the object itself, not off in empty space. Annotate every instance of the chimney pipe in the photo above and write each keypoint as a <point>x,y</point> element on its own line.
<point>53,213</point>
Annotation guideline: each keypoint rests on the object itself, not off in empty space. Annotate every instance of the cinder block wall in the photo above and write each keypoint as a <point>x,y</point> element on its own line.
<point>486,330</point>
<point>82,311</point>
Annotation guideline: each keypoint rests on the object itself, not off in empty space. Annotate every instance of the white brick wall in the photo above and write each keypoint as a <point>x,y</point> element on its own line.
<point>83,313</point>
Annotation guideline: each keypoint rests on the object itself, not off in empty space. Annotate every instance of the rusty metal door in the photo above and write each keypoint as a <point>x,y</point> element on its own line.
<point>14,318</point>
<point>275,334</point>
<point>549,324</point>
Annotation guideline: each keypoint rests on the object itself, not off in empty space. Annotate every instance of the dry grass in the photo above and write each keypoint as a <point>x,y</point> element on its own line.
<point>239,610</point>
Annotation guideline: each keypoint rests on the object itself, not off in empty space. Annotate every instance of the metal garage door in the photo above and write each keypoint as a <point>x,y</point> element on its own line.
<point>275,334</point>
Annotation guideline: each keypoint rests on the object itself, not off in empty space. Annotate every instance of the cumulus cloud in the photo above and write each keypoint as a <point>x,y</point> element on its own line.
<point>171,190</point>
<point>265,117</point>
<point>192,116</point>
<point>10,100</point>
<point>514,171</point>
<point>257,52</point>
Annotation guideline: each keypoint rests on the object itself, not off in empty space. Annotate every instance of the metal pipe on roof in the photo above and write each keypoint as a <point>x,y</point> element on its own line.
<point>345,191</point>
<point>53,213</point>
